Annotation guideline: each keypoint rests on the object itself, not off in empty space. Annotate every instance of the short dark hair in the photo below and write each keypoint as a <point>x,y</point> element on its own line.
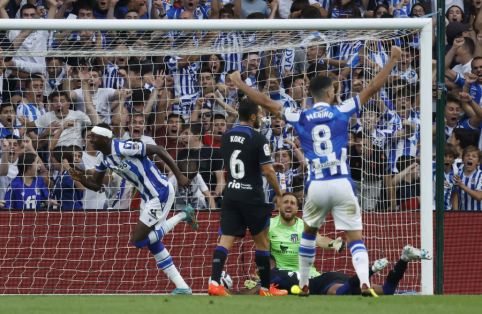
<point>84,130</point>
<point>48,59</point>
<point>297,184</point>
<point>319,85</point>
<point>175,115</point>
<point>450,150</point>
<point>140,95</point>
<point>62,152</point>
<point>247,108</point>
<point>189,167</point>
<point>218,116</point>
<point>469,45</point>
<point>256,16</point>
<point>225,10</point>
<point>298,5</point>
<point>386,16</point>
<point>5,105</point>
<point>25,161</point>
<point>464,136</point>
<point>475,59</point>
<point>310,12</point>
<point>57,93</point>
<point>132,10</point>
<point>272,260</point>
<point>85,6</point>
<point>289,80</point>
<point>455,100</point>
<point>27,6</point>
<point>196,128</point>
<point>314,69</point>
<point>33,77</point>
<point>134,69</point>
<point>246,55</point>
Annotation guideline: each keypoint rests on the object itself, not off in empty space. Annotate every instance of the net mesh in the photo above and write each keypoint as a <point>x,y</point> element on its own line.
<point>164,88</point>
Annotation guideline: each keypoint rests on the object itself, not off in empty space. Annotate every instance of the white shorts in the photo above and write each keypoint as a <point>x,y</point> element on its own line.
<point>335,196</point>
<point>154,212</point>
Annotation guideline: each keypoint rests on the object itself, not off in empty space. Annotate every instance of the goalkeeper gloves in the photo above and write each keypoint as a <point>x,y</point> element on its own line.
<point>338,245</point>
<point>250,284</point>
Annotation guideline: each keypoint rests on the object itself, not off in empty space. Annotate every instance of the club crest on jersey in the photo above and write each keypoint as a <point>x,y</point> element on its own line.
<point>294,238</point>
<point>130,145</point>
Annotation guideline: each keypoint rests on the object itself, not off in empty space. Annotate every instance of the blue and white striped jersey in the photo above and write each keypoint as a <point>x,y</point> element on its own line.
<point>473,182</point>
<point>277,140</point>
<point>408,75</point>
<point>475,90</point>
<point>32,112</point>
<point>283,99</point>
<point>449,188</point>
<point>407,9</point>
<point>231,41</point>
<point>200,13</point>
<point>129,161</point>
<point>185,106</point>
<point>390,120</point>
<point>111,78</point>
<point>323,133</point>
<point>185,79</point>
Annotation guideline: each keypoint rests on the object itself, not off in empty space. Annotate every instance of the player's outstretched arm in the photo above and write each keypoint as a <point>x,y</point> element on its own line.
<point>163,154</point>
<point>258,97</point>
<point>381,78</point>
<point>95,184</point>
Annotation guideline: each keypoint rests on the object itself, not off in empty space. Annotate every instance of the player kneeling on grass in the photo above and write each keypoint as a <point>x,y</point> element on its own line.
<point>130,161</point>
<point>246,153</point>
<point>335,283</point>
<point>285,235</point>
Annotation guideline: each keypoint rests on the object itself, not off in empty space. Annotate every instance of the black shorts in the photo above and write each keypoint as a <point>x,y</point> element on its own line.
<point>236,216</point>
<point>321,284</point>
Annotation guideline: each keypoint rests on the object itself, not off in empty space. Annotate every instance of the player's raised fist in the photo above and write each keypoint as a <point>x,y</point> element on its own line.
<point>235,77</point>
<point>395,52</point>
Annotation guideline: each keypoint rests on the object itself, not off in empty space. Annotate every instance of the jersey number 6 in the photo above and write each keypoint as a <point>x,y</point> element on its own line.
<point>322,145</point>
<point>236,165</point>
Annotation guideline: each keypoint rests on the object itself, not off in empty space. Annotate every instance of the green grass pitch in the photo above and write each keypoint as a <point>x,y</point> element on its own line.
<point>239,304</point>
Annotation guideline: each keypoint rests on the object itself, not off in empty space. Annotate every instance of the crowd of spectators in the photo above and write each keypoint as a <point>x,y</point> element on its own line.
<point>185,103</point>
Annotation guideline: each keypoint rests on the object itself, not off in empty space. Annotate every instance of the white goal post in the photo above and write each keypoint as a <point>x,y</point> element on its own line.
<point>423,25</point>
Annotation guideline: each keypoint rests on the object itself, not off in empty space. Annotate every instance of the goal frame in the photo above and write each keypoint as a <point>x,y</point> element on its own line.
<point>424,25</point>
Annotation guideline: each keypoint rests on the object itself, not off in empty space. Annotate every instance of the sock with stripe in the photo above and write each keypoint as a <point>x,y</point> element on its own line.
<point>262,261</point>
<point>359,256</point>
<point>306,257</point>
<point>165,227</point>
<point>164,262</point>
<point>394,277</point>
<point>219,257</point>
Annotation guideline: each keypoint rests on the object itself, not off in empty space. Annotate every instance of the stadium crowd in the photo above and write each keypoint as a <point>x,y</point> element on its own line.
<point>185,103</point>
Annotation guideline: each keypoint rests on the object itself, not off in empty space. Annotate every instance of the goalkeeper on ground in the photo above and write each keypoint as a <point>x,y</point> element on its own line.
<point>285,234</point>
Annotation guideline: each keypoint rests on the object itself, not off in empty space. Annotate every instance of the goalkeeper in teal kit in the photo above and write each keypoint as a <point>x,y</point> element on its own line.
<point>285,235</point>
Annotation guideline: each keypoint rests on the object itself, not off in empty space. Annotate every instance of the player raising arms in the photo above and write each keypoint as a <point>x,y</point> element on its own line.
<point>246,153</point>
<point>323,132</point>
<point>129,160</point>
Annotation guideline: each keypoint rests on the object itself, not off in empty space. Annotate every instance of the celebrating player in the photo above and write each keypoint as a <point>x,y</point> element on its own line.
<point>323,132</point>
<point>335,283</point>
<point>244,150</point>
<point>130,161</point>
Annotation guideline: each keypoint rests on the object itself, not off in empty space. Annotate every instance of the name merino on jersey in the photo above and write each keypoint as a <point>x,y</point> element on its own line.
<point>324,137</point>
<point>239,146</point>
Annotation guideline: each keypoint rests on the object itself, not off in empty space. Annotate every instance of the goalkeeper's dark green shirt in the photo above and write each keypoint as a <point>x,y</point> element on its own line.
<point>285,244</point>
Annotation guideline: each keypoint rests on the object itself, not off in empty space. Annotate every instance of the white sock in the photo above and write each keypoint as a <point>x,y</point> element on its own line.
<point>164,261</point>
<point>165,227</point>
<point>306,257</point>
<point>359,257</point>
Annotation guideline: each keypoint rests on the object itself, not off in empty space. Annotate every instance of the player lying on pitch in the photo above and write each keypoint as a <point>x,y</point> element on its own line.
<point>130,161</point>
<point>335,283</point>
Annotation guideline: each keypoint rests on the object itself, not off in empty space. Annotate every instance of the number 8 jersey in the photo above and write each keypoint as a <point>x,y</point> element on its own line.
<point>323,133</point>
<point>244,150</point>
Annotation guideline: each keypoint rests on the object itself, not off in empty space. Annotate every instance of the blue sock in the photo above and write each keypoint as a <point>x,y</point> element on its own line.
<point>345,289</point>
<point>389,288</point>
